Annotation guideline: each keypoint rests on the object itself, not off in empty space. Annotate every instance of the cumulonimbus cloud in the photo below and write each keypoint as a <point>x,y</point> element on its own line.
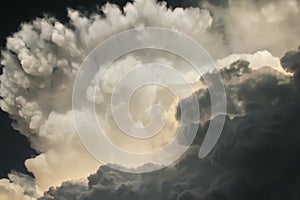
<point>254,158</point>
<point>41,60</point>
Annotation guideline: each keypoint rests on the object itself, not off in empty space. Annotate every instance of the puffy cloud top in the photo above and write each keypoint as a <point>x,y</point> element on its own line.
<point>41,61</point>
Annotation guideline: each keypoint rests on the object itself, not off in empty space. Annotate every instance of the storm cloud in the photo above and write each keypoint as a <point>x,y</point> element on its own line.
<point>256,156</point>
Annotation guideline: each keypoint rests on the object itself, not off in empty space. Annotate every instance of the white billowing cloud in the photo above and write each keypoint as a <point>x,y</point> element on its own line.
<point>41,61</point>
<point>17,187</point>
<point>256,60</point>
<point>10,191</point>
<point>110,78</point>
<point>64,157</point>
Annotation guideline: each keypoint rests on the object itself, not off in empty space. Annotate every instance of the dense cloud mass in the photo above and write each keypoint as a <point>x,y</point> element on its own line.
<point>41,61</point>
<point>256,156</point>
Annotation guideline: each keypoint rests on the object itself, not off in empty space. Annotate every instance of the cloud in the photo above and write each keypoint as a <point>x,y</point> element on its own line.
<point>18,186</point>
<point>256,60</point>
<point>255,158</point>
<point>40,63</point>
<point>41,60</point>
<point>291,62</point>
<point>250,26</point>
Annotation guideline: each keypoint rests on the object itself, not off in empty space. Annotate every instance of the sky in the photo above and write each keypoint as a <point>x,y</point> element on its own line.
<point>255,45</point>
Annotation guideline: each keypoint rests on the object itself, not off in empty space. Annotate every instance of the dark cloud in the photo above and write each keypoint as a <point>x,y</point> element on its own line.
<point>67,191</point>
<point>257,154</point>
<point>291,62</point>
<point>248,90</point>
<point>255,158</point>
